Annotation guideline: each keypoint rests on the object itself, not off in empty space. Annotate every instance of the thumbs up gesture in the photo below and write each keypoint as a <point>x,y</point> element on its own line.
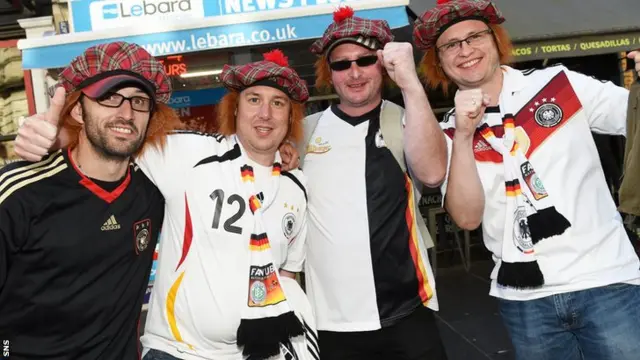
<point>38,134</point>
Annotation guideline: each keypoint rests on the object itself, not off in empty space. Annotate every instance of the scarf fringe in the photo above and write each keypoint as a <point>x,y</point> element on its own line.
<point>520,275</point>
<point>261,338</point>
<point>546,223</point>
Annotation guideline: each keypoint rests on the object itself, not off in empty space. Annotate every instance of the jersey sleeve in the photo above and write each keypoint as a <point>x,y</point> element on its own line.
<point>605,103</point>
<point>296,251</point>
<point>155,160</point>
<point>13,225</point>
<point>166,165</point>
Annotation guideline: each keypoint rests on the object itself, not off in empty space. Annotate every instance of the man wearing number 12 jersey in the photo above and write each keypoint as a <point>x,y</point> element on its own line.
<point>234,228</point>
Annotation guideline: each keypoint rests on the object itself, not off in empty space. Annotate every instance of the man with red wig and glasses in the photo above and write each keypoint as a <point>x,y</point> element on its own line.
<point>78,229</point>
<point>234,227</point>
<point>523,163</point>
<point>367,271</point>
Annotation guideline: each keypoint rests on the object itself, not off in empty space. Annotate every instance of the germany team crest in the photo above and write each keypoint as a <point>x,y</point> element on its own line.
<point>264,287</point>
<point>142,235</point>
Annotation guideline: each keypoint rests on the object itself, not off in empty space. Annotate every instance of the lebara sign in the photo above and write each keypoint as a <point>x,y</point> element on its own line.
<point>113,14</point>
<point>91,15</point>
<point>258,22</point>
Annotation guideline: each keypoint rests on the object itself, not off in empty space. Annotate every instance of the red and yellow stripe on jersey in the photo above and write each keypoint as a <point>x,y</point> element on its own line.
<point>424,288</point>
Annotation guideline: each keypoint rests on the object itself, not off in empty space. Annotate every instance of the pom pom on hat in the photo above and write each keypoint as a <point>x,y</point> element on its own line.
<point>342,13</point>
<point>370,33</point>
<point>276,56</point>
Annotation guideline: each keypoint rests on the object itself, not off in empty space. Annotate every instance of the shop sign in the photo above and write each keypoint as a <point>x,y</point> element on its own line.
<point>42,53</point>
<point>92,15</point>
<point>174,65</point>
<point>582,46</point>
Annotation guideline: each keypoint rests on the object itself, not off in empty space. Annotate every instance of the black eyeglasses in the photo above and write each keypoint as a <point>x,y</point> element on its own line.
<point>454,47</point>
<point>115,100</point>
<point>361,62</point>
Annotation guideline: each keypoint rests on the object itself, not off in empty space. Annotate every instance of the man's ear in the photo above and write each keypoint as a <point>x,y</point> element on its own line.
<point>76,113</point>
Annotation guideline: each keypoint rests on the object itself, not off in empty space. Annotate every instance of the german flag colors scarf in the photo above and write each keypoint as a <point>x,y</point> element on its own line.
<point>267,319</point>
<point>529,209</point>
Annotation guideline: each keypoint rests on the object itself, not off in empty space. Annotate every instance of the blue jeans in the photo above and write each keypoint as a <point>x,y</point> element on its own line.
<point>595,324</point>
<point>158,355</point>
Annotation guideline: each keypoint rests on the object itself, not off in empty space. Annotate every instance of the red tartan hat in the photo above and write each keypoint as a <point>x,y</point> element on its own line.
<point>434,22</point>
<point>103,67</point>
<point>273,71</point>
<point>372,34</point>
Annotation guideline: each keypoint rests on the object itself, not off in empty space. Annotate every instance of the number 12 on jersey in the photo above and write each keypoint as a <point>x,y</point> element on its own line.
<point>218,197</point>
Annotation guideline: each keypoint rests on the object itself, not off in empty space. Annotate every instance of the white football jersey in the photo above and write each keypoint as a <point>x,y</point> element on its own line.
<point>555,112</point>
<point>201,282</point>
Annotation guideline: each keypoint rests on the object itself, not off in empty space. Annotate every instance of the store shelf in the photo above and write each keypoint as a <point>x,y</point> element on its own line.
<point>4,138</point>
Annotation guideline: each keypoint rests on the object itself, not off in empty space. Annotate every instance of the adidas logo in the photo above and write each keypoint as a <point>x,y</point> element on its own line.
<point>110,224</point>
<point>481,146</point>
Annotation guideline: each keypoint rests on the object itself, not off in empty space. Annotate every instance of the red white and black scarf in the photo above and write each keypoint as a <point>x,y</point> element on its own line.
<point>267,318</point>
<point>530,216</point>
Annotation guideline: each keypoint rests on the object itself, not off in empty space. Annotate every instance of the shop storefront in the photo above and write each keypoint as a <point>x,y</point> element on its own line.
<point>196,37</point>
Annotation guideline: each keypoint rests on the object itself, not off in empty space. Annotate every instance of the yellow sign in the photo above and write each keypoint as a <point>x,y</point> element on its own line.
<point>591,45</point>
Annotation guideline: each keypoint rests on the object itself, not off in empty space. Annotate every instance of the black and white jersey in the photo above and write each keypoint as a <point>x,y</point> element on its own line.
<point>75,256</point>
<point>367,266</point>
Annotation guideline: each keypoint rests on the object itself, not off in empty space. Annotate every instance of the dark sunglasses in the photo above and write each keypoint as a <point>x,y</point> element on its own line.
<point>361,62</point>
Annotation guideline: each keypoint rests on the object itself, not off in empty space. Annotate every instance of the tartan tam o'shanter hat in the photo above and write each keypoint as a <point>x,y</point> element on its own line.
<point>105,67</point>
<point>273,71</point>
<point>372,34</point>
<point>435,21</point>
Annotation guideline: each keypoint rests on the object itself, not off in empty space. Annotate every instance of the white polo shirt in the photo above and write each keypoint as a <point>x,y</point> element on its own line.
<point>556,110</point>
<point>202,276</point>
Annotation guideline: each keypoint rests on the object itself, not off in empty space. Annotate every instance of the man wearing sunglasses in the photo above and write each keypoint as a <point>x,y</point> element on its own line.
<point>367,273</point>
<point>524,163</point>
<point>78,228</point>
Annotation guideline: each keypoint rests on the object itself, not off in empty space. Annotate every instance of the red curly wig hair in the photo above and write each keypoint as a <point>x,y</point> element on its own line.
<point>226,116</point>
<point>163,120</point>
<point>431,70</point>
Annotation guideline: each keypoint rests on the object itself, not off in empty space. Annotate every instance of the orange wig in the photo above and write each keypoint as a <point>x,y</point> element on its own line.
<point>163,121</point>
<point>432,72</point>
<point>226,115</point>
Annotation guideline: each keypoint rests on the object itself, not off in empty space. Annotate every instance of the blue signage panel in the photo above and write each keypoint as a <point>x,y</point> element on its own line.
<point>90,15</point>
<point>220,37</point>
<point>184,99</point>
